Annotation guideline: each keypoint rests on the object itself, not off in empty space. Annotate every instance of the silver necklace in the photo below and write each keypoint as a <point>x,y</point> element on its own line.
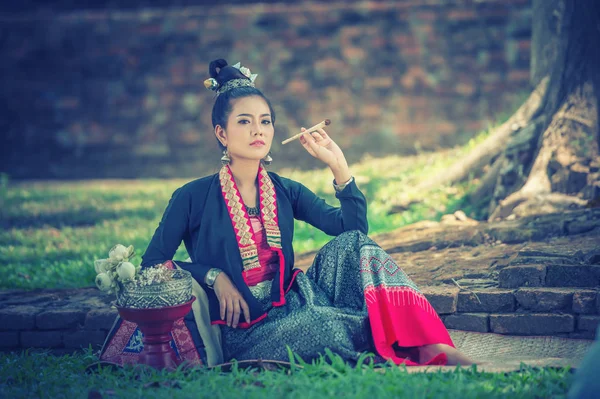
<point>255,211</point>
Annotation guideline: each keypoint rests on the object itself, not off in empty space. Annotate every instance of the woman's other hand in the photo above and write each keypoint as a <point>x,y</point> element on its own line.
<point>231,302</point>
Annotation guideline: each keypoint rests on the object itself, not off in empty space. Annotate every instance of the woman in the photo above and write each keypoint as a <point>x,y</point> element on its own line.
<point>237,227</point>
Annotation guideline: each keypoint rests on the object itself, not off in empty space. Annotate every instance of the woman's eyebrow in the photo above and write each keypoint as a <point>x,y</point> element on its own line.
<point>251,115</point>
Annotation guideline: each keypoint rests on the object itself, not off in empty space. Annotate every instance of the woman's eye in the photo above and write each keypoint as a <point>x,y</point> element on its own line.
<point>243,121</point>
<point>266,122</point>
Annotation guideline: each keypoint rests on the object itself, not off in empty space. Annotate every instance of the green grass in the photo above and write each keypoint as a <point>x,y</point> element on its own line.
<point>38,375</point>
<point>51,232</point>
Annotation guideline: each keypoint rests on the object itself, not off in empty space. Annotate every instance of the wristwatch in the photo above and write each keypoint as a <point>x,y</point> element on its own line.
<point>340,187</point>
<point>211,276</point>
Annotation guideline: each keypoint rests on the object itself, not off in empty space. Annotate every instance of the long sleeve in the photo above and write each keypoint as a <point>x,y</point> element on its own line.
<point>172,229</point>
<point>351,215</point>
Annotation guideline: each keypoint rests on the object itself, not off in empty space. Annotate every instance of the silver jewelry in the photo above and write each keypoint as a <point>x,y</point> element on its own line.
<point>268,160</point>
<point>233,83</point>
<point>225,158</point>
<point>245,71</point>
<point>255,211</point>
<point>211,276</point>
<point>340,187</point>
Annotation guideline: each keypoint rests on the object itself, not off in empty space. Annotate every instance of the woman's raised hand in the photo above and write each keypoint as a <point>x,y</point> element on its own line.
<point>230,300</point>
<point>321,146</point>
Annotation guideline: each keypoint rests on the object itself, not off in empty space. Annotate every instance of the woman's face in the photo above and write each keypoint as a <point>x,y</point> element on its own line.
<point>249,131</point>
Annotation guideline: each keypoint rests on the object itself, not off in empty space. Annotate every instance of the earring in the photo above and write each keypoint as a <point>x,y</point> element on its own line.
<point>225,158</point>
<point>267,160</point>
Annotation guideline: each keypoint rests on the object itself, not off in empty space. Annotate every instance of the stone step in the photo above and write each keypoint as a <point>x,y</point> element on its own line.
<point>449,299</point>
<point>549,275</point>
<point>522,276</point>
<point>570,300</point>
<point>572,275</point>
<point>532,324</point>
<point>541,260</point>
<point>489,300</point>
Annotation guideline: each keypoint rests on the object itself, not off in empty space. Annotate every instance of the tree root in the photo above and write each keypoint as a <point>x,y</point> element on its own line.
<point>487,184</point>
<point>485,152</point>
<point>492,146</point>
<point>556,148</point>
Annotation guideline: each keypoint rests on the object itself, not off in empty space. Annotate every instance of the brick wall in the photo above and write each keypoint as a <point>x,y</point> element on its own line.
<point>110,92</point>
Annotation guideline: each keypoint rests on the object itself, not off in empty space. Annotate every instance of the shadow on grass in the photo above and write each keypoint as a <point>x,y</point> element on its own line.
<point>32,261</point>
<point>69,218</point>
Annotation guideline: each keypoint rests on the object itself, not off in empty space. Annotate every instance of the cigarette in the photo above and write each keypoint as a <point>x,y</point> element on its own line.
<point>312,129</point>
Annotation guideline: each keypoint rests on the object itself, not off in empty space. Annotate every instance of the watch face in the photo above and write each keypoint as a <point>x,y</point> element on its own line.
<point>212,275</point>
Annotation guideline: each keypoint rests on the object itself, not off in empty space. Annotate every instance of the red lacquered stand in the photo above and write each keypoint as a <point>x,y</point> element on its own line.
<point>156,325</point>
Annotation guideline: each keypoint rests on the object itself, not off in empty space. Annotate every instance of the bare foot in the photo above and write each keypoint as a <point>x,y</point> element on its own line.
<point>428,352</point>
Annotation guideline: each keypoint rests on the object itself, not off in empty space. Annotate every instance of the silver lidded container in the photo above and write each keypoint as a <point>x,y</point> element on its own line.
<point>175,291</point>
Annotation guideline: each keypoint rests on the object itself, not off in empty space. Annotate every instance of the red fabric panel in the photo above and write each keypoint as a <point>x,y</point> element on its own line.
<point>402,315</point>
<point>268,258</point>
<point>242,324</point>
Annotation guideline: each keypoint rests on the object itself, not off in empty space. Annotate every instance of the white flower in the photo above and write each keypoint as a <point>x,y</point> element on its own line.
<point>130,251</point>
<point>126,271</point>
<point>118,253</point>
<point>101,265</point>
<point>103,282</point>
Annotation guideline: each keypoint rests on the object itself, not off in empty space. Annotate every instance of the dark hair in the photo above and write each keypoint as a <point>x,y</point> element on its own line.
<point>222,107</point>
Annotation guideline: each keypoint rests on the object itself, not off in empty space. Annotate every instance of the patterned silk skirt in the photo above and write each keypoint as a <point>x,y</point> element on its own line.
<point>354,299</point>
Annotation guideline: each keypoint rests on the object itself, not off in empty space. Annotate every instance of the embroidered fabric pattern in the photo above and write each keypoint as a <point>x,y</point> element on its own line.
<point>262,290</point>
<point>378,270</point>
<point>268,202</point>
<point>240,219</point>
<point>268,258</point>
<point>126,344</point>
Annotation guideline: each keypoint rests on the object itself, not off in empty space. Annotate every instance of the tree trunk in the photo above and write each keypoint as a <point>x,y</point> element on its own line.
<point>545,25</point>
<point>560,169</point>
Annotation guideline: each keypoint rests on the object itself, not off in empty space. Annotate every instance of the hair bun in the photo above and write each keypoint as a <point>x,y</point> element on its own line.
<point>222,72</point>
<point>212,68</point>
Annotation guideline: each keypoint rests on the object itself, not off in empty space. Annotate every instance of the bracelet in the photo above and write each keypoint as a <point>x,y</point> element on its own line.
<point>211,276</point>
<point>340,187</point>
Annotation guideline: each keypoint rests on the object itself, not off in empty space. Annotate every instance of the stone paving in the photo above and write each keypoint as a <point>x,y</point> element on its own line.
<point>531,276</point>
